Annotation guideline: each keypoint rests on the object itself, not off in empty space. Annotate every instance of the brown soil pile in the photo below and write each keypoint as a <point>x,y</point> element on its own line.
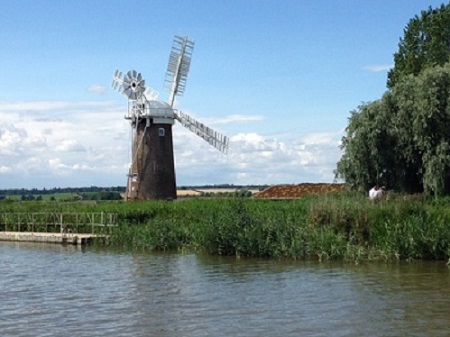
<point>298,191</point>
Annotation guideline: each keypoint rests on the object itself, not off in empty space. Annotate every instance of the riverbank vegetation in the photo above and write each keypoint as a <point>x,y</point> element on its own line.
<point>339,226</point>
<point>344,226</point>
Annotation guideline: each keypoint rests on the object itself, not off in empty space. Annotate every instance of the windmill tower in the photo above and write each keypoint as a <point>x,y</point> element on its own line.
<point>152,171</point>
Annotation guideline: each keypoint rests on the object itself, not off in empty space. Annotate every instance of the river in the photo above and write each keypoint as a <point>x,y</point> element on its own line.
<point>53,290</point>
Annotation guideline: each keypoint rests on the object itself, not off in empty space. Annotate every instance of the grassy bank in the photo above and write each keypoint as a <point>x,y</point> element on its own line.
<point>339,226</point>
<point>342,226</point>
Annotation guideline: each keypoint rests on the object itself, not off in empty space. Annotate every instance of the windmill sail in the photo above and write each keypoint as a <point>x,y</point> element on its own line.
<point>178,67</point>
<point>214,138</point>
<point>130,84</point>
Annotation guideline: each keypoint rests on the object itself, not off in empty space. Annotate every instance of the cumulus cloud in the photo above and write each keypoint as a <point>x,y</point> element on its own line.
<point>70,145</point>
<point>10,140</point>
<point>61,143</point>
<point>5,169</point>
<point>59,167</point>
<point>259,159</point>
<point>88,143</point>
<point>55,163</point>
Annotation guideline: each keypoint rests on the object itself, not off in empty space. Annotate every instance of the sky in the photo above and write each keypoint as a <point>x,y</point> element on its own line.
<point>279,78</point>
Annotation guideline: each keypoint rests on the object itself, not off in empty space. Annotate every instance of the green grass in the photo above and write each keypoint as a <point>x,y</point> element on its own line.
<point>342,226</point>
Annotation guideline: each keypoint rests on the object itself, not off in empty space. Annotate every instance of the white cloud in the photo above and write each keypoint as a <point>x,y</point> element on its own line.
<point>87,143</point>
<point>59,167</point>
<point>62,140</point>
<point>82,167</point>
<point>379,67</point>
<point>10,140</point>
<point>55,164</point>
<point>321,138</point>
<point>257,159</point>
<point>233,119</point>
<point>5,169</point>
<point>97,89</point>
<point>70,146</point>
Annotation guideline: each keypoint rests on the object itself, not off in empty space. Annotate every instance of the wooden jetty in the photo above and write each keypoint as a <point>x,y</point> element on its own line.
<point>62,228</point>
<point>62,238</point>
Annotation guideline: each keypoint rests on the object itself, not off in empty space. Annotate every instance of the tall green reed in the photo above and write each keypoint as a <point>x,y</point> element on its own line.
<point>337,226</point>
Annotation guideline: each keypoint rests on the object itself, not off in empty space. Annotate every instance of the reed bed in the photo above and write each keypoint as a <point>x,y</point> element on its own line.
<point>342,226</point>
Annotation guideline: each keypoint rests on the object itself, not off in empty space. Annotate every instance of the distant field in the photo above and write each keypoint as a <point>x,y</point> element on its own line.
<point>196,192</point>
<point>268,192</point>
<point>180,193</point>
<point>187,193</point>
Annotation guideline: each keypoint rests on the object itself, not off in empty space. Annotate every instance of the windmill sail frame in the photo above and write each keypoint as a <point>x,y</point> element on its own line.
<point>214,138</point>
<point>178,67</point>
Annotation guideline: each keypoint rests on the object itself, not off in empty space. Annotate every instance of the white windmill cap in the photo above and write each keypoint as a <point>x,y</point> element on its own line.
<point>159,109</point>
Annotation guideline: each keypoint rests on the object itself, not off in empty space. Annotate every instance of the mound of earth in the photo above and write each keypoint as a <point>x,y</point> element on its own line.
<point>298,191</point>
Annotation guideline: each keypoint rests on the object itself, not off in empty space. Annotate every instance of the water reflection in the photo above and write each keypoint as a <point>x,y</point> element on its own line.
<point>51,289</point>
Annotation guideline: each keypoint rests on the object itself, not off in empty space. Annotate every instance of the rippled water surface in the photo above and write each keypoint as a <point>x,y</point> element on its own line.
<point>52,290</point>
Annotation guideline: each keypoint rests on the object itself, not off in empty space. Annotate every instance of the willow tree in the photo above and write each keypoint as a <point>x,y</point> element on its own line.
<point>402,141</point>
<point>369,157</point>
<point>431,126</point>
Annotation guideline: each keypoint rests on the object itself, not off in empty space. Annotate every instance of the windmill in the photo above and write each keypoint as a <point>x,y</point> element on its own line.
<point>152,171</point>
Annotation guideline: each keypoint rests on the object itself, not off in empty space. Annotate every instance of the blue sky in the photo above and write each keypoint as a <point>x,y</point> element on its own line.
<point>278,77</point>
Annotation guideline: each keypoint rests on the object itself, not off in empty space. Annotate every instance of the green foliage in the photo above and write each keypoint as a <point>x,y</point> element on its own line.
<point>344,226</point>
<point>402,140</point>
<point>368,158</point>
<point>426,43</point>
<point>340,226</point>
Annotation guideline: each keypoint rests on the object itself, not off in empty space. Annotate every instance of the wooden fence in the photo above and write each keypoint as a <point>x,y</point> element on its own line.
<point>95,223</point>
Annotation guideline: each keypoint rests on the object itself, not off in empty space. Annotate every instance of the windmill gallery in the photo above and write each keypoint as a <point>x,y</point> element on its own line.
<point>152,171</point>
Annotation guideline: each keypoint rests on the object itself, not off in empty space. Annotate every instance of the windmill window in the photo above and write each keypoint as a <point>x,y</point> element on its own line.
<point>161,132</point>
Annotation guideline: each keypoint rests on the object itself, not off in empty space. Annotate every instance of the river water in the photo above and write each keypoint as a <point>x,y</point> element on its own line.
<point>53,290</point>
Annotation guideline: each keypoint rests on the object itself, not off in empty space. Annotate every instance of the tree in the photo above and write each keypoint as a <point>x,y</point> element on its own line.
<point>368,157</point>
<point>402,141</point>
<point>426,43</point>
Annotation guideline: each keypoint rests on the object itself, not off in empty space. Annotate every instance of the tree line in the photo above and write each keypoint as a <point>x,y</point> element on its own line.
<point>57,190</point>
<point>109,193</point>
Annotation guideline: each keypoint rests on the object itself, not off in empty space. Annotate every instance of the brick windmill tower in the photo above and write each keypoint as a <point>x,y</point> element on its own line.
<point>152,170</point>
